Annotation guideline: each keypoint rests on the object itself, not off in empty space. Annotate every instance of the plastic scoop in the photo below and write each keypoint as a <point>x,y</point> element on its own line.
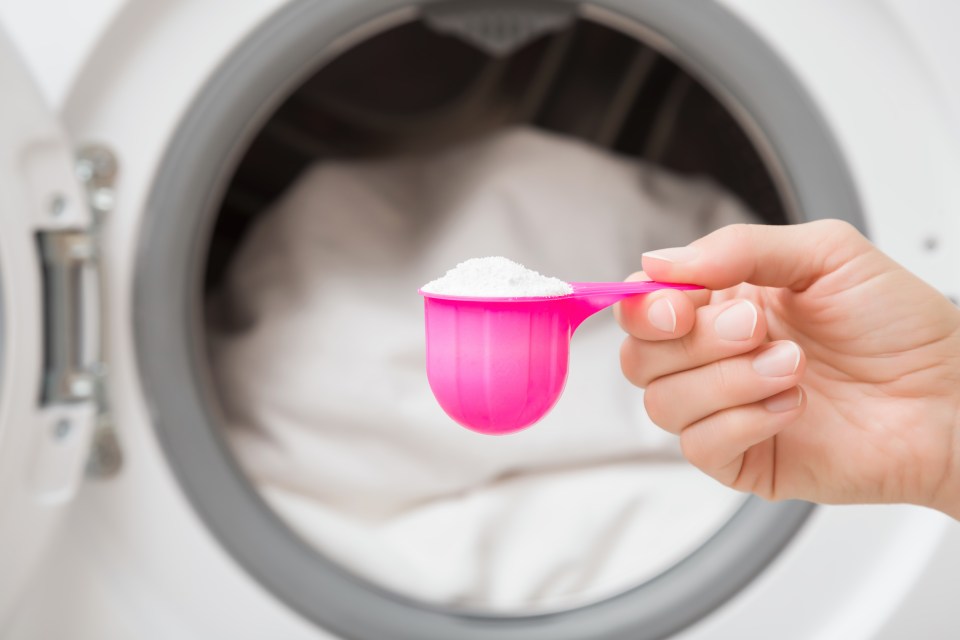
<point>497,365</point>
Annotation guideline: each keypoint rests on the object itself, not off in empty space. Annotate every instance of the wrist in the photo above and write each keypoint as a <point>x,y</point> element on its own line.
<point>952,502</point>
<point>947,498</point>
<point>949,503</point>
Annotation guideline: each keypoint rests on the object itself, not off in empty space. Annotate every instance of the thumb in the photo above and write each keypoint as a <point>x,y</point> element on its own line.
<point>793,256</point>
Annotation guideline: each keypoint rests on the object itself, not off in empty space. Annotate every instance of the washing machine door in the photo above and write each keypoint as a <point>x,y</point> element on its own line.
<point>47,380</point>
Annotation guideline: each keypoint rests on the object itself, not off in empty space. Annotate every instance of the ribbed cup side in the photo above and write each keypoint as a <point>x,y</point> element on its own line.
<point>496,367</point>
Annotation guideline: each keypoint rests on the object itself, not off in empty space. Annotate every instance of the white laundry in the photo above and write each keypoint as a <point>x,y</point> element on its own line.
<point>317,348</point>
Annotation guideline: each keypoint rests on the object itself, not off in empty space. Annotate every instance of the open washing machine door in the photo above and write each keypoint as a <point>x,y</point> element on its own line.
<point>48,325</point>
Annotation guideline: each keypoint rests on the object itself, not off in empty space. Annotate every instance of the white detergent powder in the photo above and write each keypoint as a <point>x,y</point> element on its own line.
<point>496,277</point>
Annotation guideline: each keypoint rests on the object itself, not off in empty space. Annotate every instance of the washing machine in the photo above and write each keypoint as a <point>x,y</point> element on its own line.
<point>138,137</point>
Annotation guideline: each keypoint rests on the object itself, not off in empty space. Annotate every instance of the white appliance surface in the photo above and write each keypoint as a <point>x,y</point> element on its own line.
<point>132,558</point>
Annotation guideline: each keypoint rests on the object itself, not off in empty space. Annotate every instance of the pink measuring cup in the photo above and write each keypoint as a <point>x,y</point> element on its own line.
<point>497,365</point>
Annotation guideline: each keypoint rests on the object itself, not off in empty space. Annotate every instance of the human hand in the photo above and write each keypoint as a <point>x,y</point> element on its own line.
<point>816,368</point>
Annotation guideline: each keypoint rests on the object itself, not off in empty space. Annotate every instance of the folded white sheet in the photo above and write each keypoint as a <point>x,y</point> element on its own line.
<point>316,343</point>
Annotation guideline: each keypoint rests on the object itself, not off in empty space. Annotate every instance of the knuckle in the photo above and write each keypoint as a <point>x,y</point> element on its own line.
<point>739,231</point>
<point>725,377</point>
<point>631,362</point>
<point>688,349</point>
<point>837,229</point>
<point>654,404</point>
<point>839,242</point>
<point>737,235</point>
<point>699,445</point>
<point>693,448</point>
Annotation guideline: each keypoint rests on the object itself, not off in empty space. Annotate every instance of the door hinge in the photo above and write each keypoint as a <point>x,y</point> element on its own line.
<point>75,369</point>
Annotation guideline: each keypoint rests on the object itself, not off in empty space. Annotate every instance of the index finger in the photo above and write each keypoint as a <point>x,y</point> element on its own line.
<point>793,256</point>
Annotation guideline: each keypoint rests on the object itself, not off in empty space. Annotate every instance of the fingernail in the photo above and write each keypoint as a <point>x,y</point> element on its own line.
<point>786,401</point>
<point>662,315</point>
<point>673,254</point>
<point>782,359</point>
<point>737,322</point>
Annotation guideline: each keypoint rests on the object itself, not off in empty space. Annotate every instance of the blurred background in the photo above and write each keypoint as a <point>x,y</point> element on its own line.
<point>213,406</point>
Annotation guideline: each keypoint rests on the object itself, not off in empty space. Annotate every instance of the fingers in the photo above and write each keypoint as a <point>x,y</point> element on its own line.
<point>719,331</point>
<point>720,443</point>
<point>791,256</point>
<point>661,315</point>
<point>675,402</point>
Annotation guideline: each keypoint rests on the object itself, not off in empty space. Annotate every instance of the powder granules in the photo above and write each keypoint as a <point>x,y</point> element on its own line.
<point>496,277</point>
